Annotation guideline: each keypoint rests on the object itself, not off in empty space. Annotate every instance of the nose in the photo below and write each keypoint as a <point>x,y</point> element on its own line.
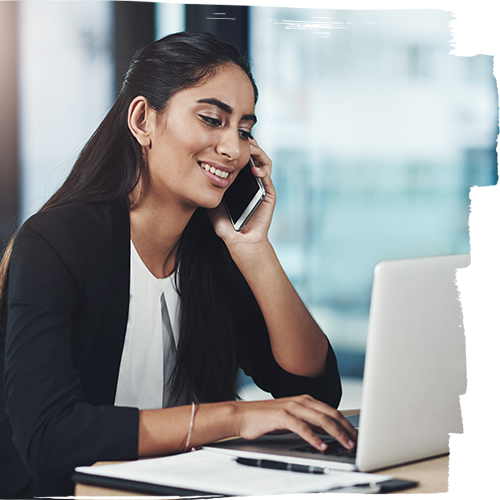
<point>229,145</point>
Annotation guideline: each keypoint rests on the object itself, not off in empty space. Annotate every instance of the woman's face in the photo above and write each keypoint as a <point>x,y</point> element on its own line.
<point>201,140</point>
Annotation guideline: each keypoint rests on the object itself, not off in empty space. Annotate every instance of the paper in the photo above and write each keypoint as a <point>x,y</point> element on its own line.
<point>213,472</point>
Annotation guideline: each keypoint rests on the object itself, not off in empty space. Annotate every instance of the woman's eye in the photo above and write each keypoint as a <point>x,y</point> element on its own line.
<point>245,134</point>
<point>213,122</point>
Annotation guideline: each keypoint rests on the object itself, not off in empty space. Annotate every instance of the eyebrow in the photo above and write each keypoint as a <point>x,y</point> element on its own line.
<point>228,109</point>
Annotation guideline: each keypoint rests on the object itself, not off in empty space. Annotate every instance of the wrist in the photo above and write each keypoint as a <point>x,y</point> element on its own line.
<point>252,257</point>
<point>214,421</point>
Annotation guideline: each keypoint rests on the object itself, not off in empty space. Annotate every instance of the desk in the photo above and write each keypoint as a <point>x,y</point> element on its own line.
<point>468,475</point>
<point>472,474</point>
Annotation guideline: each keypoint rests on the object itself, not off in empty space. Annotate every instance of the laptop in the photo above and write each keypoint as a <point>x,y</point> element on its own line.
<point>414,372</point>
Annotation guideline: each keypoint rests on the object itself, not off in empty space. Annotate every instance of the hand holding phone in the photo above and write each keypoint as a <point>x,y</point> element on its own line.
<point>243,197</point>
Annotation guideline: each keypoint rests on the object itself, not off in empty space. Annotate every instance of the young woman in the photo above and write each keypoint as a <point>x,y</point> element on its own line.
<point>128,302</point>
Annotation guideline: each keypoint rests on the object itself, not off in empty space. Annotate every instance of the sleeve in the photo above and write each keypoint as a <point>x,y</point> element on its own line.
<point>258,362</point>
<point>54,430</point>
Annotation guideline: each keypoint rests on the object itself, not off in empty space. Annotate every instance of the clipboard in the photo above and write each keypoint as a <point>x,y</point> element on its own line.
<point>388,486</point>
<point>161,477</point>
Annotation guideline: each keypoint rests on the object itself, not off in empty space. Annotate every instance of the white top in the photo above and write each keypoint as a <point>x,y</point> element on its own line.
<point>151,338</point>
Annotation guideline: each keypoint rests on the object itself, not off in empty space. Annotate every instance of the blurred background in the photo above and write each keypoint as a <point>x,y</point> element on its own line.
<point>375,131</point>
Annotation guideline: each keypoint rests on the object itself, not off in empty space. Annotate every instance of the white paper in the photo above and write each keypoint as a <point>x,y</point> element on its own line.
<point>212,472</point>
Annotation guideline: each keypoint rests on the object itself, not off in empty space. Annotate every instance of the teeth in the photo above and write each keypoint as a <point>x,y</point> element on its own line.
<point>215,171</point>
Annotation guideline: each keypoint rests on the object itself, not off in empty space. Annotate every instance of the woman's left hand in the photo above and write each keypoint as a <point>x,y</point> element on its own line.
<point>254,233</point>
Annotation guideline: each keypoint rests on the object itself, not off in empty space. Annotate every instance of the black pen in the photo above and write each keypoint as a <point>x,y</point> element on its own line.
<point>271,464</point>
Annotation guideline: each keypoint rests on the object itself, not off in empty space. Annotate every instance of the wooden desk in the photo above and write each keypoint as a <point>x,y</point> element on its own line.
<point>468,475</point>
<point>471,475</point>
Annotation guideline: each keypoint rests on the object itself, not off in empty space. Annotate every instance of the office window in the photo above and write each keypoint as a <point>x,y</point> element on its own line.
<point>480,192</point>
<point>66,89</point>
<point>376,135</point>
<point>170,18</point>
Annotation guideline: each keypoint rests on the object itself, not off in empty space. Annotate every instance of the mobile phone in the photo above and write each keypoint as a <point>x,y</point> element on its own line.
<point>243,197</point>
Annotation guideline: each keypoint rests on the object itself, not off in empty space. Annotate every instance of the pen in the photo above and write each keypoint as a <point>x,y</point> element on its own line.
<point>271,464</point>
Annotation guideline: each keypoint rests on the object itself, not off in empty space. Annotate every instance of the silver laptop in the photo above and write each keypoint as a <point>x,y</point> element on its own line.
<point>414,372</point>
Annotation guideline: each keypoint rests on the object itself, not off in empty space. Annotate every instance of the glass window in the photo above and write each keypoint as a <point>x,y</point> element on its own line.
<point>170,18</point>
<point>376,135</point>
<point>66,88</point>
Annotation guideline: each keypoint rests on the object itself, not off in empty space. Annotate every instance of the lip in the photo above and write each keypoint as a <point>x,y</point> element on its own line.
<point>214,179</point>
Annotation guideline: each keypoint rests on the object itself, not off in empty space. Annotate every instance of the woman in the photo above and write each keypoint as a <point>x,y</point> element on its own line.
<point>134,256</point>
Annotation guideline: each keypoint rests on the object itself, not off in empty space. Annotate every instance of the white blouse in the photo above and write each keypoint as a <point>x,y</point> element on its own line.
<point>151,339</point>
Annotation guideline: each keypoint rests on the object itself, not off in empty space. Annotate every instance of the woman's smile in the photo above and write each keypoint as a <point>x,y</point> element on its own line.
<point>217,174</point>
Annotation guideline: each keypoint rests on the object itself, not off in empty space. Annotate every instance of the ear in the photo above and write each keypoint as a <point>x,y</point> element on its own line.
<point>140,120</point>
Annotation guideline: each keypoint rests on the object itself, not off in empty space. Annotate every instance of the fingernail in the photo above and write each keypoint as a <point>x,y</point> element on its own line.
<point>323,446</point>
<point>350,444</point>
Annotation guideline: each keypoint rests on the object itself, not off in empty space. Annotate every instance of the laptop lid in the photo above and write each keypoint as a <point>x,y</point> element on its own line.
<point>414,372</point>
<point>415,365</point>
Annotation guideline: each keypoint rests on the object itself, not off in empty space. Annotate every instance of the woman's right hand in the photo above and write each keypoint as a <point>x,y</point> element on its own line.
<point>166,431</point>
<point>302,415</point>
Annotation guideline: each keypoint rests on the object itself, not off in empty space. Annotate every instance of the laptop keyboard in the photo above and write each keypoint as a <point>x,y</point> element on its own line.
<point>334,449</point>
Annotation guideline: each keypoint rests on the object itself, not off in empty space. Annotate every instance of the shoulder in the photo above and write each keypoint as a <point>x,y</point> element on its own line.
<point>76,229</point>
<point>77,217</point>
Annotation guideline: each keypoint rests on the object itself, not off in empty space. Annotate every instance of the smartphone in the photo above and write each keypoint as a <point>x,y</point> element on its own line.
<point>243,197</point>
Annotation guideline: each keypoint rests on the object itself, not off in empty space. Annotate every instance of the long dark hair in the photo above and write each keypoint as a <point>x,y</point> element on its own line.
<point>108,169</point>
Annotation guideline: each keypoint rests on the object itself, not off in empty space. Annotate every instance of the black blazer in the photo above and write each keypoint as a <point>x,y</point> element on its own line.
<point>64,328</point>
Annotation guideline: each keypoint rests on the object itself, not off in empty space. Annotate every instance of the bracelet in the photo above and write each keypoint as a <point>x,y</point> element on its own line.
<point>191,422</point>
